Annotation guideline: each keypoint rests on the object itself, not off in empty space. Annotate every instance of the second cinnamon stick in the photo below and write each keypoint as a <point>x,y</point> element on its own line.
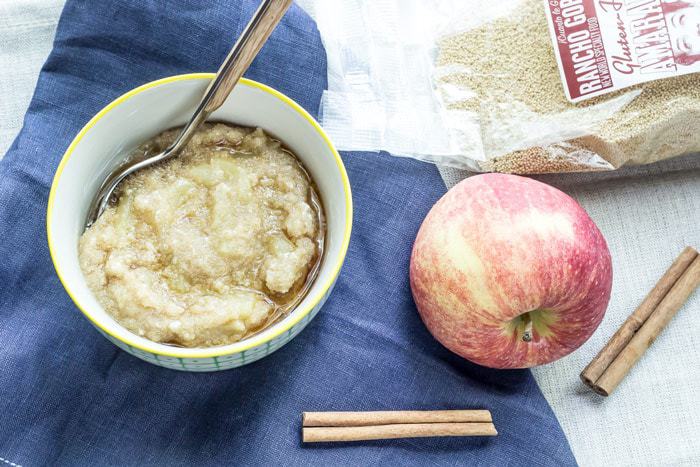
<point>623,335</point>
<point>410,430</point>
<point>653,326</point>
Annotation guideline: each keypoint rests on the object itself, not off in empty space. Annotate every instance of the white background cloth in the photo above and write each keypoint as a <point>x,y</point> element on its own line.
<point>27,28</point>
<point>647,215</point>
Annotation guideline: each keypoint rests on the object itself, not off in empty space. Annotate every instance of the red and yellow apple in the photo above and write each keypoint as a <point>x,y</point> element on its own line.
<point>509,272</point>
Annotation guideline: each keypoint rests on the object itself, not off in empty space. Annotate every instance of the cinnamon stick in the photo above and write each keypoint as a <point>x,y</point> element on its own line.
<point>393,417</point>
<point>394,431</point>
<point>652,327</point>
<point>622,337</point>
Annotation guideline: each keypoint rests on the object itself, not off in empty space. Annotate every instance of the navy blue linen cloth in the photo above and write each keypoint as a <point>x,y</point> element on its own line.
<point>70,397</point>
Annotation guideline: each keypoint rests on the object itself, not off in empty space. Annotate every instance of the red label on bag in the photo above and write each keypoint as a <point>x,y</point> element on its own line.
<point>606,45</point>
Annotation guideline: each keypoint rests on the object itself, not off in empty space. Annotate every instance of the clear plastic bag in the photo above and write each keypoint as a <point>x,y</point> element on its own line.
<point>475,84</point>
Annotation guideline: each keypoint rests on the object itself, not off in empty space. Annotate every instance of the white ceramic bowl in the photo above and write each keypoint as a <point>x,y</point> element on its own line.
<point>143,113</point>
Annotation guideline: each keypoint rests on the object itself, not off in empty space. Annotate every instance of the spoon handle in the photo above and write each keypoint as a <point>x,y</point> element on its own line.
<point>256,33</point>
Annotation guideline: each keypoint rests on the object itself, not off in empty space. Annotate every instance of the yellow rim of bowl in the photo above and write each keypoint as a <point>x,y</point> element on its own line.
<point>254,341</point>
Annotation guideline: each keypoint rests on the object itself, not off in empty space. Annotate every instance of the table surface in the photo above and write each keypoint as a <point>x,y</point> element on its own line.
<point>647,214</point>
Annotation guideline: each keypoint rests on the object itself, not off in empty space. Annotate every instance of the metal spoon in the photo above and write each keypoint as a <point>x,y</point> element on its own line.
<point>256,33</point>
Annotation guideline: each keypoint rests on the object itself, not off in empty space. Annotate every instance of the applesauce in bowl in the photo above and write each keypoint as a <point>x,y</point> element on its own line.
<point>210,247</point>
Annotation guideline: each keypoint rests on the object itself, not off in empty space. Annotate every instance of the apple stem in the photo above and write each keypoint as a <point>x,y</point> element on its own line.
<point>527,333</point>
